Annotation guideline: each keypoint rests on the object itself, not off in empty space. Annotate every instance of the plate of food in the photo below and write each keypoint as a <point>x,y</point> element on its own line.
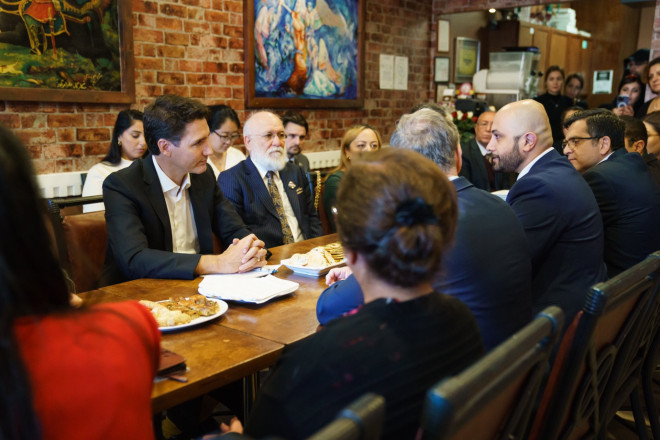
<point>317,262</point>
<point>183,312</point>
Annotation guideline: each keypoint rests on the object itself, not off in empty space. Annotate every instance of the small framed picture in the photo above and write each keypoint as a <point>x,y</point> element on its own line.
<point>443,36</point>
<point>466,59</point>
<point>441,69</point>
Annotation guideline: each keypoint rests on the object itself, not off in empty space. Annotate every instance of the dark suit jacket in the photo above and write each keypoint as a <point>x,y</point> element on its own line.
<point>139,231</point>
<point>474,169</point>
<point>302,161</point>
<point>565,233</point>
<point>488,268</point>
<point>629,202</point>
<point>653,165</point>
<point>245,188</point>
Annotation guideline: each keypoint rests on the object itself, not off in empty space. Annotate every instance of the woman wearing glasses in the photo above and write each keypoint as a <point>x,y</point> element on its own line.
<point>225,126</point>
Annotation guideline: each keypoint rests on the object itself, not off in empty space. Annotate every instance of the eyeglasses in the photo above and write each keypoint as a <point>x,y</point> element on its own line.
<point>226,137</point>
<point>574,141</point>
<point>270,136</point>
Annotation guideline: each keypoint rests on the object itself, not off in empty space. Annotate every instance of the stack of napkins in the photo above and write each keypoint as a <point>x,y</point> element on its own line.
<point>245,288</point>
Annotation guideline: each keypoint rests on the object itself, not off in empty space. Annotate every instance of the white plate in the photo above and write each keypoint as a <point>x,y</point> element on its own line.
<point>222,308</point>
<point>313,272</point>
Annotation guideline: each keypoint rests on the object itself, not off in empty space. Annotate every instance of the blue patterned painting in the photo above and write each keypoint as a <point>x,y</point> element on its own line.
<point>306,49</point>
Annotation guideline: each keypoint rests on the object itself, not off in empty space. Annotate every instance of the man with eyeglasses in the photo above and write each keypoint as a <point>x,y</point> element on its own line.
<point>162,211</point>
<point>477,166</point>
<point>296,130</point>
<point>271,194</point>
<point>557,209</point>
<point>627,195</point>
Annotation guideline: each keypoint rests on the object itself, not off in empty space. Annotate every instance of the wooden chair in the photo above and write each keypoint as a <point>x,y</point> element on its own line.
<point>361,420</point>
<point>596,359</point>
<point>81,241</point>
<point>493,399</point>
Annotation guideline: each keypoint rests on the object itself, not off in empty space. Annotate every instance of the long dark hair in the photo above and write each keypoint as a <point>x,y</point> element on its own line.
<point>629,79</point>
<point>31,281</point>
<point>125,119</point>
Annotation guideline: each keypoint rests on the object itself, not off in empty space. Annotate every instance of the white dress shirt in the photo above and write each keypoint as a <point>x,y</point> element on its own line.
<point>296,232</point>
<point>180,212</point>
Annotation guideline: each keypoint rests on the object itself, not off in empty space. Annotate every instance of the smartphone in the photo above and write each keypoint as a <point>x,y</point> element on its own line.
<point>622,100</point>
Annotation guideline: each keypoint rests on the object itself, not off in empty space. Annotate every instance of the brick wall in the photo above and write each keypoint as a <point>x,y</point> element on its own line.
<point>195,48</point>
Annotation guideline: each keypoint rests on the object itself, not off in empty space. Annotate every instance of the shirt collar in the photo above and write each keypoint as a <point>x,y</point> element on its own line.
<point>482,148</point>
<point>166,183</point>
<point>531,164</point>
<point>263,171</point>
<point>606,157</point>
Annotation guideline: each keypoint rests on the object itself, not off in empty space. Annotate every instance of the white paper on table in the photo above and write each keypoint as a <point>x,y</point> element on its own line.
<point>254,273</point>
<point>245,289</point>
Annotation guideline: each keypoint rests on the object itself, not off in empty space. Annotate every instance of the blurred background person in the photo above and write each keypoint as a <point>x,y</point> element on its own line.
<point>635,142</point>
<point>573,89</point>
<point>555,103</point>
<point>652,124</point>
<point>653,79</point>
<point>395,226</point>
<point>297,130</point>
<point>62,369</point>
<point>127,144</point>
<point>224,125</point>
<point>358,139</point>
<point>630,99</point>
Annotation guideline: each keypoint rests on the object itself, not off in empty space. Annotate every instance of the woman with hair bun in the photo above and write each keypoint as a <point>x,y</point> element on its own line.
<point>395,226</point>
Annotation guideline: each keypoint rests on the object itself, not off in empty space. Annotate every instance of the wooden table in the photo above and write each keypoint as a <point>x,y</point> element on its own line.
<point>248,338</point>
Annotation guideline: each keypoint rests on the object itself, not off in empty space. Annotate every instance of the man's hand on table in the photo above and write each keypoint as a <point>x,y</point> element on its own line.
<point>337,274</point>
<point>241,256</point>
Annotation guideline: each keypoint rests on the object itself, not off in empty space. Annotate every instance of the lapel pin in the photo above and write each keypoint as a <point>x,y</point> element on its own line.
<point>292,185</point>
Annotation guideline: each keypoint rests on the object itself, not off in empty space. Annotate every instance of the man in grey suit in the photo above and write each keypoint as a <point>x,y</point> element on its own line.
<point>477,167</point>
<point>271,195</point>
<point>296,130</point>
<point>162,211</point>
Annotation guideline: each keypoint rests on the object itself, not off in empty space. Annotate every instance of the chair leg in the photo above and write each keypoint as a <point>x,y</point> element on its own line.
<point>647,386</point>
<point>638,412</point>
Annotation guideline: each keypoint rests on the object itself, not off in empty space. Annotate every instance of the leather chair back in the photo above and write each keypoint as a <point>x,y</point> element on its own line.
<point>86,239</point>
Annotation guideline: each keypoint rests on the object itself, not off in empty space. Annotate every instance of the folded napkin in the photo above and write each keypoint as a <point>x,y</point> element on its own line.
<point>245,289</point>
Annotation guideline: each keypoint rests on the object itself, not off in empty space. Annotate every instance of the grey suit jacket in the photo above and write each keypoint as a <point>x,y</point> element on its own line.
<point>302,161</point>
<point>139,230</point>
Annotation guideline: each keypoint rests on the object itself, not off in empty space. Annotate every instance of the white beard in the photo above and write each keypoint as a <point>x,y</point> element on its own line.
<point>271,161</point>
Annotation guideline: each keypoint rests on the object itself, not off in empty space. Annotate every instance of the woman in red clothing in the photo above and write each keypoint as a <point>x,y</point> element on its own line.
<point>64,373</point>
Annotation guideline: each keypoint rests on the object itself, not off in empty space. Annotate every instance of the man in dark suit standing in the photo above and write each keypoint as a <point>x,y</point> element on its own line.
<point>477,167</point>
<point>296,130</point>
<point>488,267</point>
<point>628,198</point>
<point>555,206</point>
<point>635,142</point>
<point>271,195</point>
<point>162,211</point>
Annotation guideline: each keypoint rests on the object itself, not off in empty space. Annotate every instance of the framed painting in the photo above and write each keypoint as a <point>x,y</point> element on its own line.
<point>441,73</point>
<point>466,59</point>
<point>67,51</point>
<point>304,53</point>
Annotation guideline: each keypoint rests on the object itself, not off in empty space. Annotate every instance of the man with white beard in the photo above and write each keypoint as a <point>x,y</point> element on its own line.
<point>271,195</point>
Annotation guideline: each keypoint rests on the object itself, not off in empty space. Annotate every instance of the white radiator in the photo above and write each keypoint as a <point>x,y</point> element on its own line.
<point>323,159</point>
<point>60,184</point>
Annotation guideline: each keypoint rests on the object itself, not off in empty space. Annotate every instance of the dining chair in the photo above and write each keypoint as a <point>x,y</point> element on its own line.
<point>361,420</point>
<point>598,365</point>
<point>494,398</point>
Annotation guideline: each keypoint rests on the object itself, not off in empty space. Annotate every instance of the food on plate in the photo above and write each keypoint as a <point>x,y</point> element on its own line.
<point>336,250</point>
<point>181,310</point>
<point>318,257</point>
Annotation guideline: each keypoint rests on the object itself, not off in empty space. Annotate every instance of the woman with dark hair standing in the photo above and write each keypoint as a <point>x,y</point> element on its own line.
<point>127,145</point>
<point>358,139</point>
<point>395,226</point>
<point>224,126</point>
<point>573,89</point>
<point>629,101</point>
<point>65,373</point>
<point>555,103</point>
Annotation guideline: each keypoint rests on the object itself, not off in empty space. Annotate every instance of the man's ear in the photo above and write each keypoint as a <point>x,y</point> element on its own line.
<point>351,256</point>
<point>459,158</point>
<point>604,146</point>
<point>638,146</point>
<point>165,147</point>
<point>529,141</point>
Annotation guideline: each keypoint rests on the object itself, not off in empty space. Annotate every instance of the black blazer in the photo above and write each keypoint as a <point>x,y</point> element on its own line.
<point>565,233</point>
<point>629,202</point>
<point>245,188</point>
<point>139,231</point>
<point>474,169</point>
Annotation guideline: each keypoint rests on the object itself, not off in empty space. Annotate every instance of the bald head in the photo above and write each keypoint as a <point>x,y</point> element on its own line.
<point>259,119</point>
<point>521,132</point>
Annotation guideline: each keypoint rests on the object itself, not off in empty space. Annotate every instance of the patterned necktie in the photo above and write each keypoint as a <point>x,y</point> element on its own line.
<point>279,207</point>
